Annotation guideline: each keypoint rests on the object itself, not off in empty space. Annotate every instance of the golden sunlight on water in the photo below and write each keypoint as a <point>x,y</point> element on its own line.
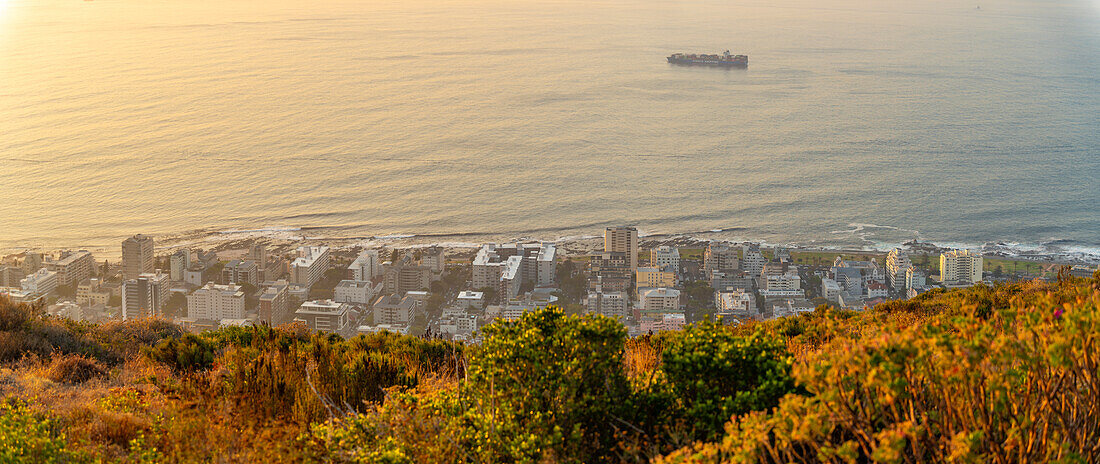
<point>468,116</point>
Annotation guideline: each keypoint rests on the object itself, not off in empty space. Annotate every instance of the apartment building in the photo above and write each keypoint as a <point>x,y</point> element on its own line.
<point>310,265</point>
<point>665,256</point>
<point>622,240</point>
<point>324,315</point>
<point>960,267</point>
<point>393,309</point>
<point>897,264</point>
<point>354,292</point>
<point>274,304</point>
<point>216,302</point>
<point>144,296</point>
<point>137,256</point>
<point>40,283</point>
<point>611,304</point>
<point>241,272</point>
<point>649,276</point>
<point>72,267</point>
<point>366,266</point>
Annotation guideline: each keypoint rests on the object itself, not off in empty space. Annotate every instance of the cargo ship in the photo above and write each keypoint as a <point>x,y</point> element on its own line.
<point>725,60</point>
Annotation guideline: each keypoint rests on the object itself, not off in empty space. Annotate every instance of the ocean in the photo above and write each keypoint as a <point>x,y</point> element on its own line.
<point>858,123</point>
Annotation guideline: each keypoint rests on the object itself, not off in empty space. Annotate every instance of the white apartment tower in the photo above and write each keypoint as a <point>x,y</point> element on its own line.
<point>366,266</point>
<point>752,261</point>
<point>897,263</point>
<point>178,264</point>
<point>960,267</point>
<point>665,256</point>
<point>216,302</point>
<point>310,265</point>
<point>622,240</point>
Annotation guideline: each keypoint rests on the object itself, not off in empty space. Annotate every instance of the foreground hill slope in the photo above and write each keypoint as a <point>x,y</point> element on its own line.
<point>1005,374</point>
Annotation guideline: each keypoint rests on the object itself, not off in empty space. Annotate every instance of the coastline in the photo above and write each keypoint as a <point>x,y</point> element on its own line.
<point>285,239</point>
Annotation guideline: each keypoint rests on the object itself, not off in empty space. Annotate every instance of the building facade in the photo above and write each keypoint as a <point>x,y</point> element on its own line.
<point>241,272</point>
<point>216,302</point>
<point>622,240</point>
<point>960,267</point>
<point>366,266</point>
<point>274,305</point>
<point>665,256</point>
<point>72,268</point>
<point>310,265</point>
<point>137,256</point>
<point>144,296</point>
<point>353,291</point>
<point>897,263</point>
<point>324,315</point>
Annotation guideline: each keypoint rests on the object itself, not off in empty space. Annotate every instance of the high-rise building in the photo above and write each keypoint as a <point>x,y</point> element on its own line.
<point>40,283</point>
<point>752,261</point>
<point>178,264</point>
<point>665,256</point>
<point>897,263</point>
<point>719,258</point>
<point>960,267</point>
<point>241,272</point>
<point>137,256</point>
<point>216,302</point>
<point>310,266</point>
<point>405,276</point>
<point>144,296</point>
<point>323,315</point>
<point>11,275</point>
<point>274,305</point>
<point>511,278</point>
<point>365,267</point>
<point>72,268</point>
<point>622,240</point>
<point>611,304</point>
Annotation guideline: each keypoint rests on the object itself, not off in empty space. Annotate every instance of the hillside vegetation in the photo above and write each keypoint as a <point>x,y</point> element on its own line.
<point>1006,374</point>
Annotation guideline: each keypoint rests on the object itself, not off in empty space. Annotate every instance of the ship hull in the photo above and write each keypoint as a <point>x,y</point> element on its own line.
<point>717,64</point>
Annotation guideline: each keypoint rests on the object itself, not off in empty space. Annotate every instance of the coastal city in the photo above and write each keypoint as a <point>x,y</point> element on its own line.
<point>450,292</point>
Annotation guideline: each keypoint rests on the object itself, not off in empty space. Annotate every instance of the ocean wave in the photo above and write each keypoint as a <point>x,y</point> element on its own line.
<point>261,230</point>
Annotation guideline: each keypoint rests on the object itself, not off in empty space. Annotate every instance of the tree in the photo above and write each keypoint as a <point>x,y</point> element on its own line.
<point>551,383</point>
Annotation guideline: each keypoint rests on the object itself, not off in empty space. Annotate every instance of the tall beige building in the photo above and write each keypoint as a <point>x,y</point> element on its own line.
<point>960,267</point>
<point>622,240</point>
<point>897,264</point>
<point>137,256</point>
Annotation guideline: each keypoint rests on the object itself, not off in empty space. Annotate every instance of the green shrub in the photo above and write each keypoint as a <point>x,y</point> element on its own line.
<point>29,437</point>
<point>716,374</point>
<point>189,353</point>
<point>13,316</point>
<point>549,387</point>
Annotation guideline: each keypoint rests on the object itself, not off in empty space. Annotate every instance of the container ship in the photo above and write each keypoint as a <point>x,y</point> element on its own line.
<point>725,59</point>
